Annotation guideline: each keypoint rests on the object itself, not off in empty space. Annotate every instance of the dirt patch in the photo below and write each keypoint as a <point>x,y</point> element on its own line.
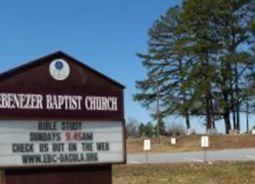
<point>192,143</point>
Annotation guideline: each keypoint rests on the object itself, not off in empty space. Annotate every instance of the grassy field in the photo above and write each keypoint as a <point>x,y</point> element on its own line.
<point>218,173</point>
<point>192,143</point>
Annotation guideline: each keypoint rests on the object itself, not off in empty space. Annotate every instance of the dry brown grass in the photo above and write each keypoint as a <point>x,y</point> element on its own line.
<point>192,143</point>
<point>219,173</point>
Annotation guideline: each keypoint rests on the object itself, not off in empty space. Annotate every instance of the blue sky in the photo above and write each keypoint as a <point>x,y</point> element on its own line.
<point>106,35</point>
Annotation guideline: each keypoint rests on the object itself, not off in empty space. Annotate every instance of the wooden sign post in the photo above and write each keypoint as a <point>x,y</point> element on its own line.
<point>2,178</point>
<point>61,122</point>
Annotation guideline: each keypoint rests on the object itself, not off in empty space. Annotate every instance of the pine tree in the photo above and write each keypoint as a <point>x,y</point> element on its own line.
<point>167,64</point>
<point>198,61</point>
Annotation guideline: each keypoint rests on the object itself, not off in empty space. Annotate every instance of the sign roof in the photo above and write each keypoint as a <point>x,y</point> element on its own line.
<point>82,74</point>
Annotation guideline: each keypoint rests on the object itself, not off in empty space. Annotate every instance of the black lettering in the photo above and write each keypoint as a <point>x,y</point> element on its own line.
<point>48,126</point>
<point>71,126</point>
<point>22,148</point>
<point>76,157</point>
<point>47,158</point>
<point>72,147</point>
<point>58,147</point>
<point>45,136</point>
<point>91,157</point>
<point>103,146</point>
<point>43,147</point>
<point>31,159</point>
<point>87,136</point>
<point>87,146</point>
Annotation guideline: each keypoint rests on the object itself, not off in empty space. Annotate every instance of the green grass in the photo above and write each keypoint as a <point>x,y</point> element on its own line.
<point>217,173</point>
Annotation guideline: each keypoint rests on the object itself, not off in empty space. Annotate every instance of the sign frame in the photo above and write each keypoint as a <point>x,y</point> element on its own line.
<point>64,164</point>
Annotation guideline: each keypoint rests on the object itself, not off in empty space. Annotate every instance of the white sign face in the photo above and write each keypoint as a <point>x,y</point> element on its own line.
<point>204,141</point>
<point>173,141</point>
<point>147,145</point>
<point>31,143</point>
<point>59,69</point>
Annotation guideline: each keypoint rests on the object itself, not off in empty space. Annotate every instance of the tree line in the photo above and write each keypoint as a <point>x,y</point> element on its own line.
<point>200,62</point>
<point>135,129</point>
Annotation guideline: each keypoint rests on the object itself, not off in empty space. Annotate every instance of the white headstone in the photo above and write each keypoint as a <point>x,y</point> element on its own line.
<point>147,145</point>
<point>204,141</point>
<point>173,141</point>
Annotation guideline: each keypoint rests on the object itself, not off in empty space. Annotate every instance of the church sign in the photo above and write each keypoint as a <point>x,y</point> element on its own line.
<point>59,115</point>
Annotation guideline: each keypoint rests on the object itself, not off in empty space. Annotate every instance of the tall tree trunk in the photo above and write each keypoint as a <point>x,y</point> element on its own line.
<point>226,112</point>
<point>213,123</point>
<point>208,113</point>
<point>234,118</point>
<point>212,110</point>
<point>227,121</point>
<point>213,120</point>
<point>187,121</point>
<point>233,107</point>
<point>238,116</point>
<point>184,96</point>
<point>237,105</point>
